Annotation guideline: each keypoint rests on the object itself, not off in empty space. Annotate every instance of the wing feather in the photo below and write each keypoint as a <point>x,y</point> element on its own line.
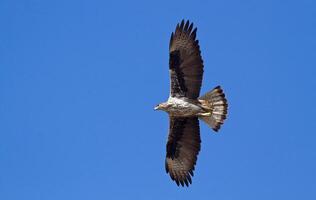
<point>183,147</point>
<point>185,62</point>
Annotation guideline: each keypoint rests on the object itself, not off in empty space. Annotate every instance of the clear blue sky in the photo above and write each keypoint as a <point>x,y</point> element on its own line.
<point>79,80</point>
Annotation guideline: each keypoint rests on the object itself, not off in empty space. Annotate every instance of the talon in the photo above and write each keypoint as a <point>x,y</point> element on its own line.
<point>206,114</point>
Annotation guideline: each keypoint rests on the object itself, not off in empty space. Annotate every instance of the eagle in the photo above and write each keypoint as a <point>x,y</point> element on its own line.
<point>185,106</point>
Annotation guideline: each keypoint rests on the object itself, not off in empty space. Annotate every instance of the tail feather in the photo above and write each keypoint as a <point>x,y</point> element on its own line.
<point>215,103</point>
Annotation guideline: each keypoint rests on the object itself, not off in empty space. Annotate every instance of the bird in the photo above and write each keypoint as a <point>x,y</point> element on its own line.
<point>186,107</point>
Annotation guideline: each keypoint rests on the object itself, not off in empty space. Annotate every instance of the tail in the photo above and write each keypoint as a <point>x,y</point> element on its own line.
<point>215,103</point>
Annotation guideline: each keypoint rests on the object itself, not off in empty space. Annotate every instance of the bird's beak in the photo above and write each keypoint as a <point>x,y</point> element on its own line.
<point>156,108</point>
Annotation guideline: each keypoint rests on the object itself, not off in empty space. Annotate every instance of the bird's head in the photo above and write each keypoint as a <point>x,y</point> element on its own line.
<point>162,106</point>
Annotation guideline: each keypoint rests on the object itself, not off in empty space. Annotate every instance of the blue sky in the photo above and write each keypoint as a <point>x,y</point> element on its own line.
<point>79,80</point>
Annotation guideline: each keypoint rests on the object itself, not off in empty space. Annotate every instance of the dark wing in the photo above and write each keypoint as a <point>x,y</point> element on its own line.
<point>185,62</point>
<point>183,146</point>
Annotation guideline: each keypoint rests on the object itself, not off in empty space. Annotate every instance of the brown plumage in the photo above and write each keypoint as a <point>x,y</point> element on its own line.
<point>185,62</point>
<point>184,105</point>
<point>182,148</point>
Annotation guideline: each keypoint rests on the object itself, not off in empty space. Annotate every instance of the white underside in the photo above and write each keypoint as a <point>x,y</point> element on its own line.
<point>180,107</point>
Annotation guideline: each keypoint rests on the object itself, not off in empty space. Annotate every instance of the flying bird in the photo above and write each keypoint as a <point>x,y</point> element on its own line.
<point>184,105</point>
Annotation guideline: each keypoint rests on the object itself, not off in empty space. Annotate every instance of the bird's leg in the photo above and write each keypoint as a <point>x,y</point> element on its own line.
<point>207,114</point>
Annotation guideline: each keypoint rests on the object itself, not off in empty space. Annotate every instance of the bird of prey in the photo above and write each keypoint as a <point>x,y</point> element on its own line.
<point>184,105</point>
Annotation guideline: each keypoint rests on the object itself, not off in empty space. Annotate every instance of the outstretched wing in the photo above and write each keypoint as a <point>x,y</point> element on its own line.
<point>183,147</point>
<point>185,62</point>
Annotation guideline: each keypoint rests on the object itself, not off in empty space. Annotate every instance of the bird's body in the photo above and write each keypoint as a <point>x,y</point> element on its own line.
<point>185,106</point>
<point>181,107</point>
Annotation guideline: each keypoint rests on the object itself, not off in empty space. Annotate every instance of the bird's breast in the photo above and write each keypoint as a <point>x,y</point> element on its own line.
<point>182,108</point>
